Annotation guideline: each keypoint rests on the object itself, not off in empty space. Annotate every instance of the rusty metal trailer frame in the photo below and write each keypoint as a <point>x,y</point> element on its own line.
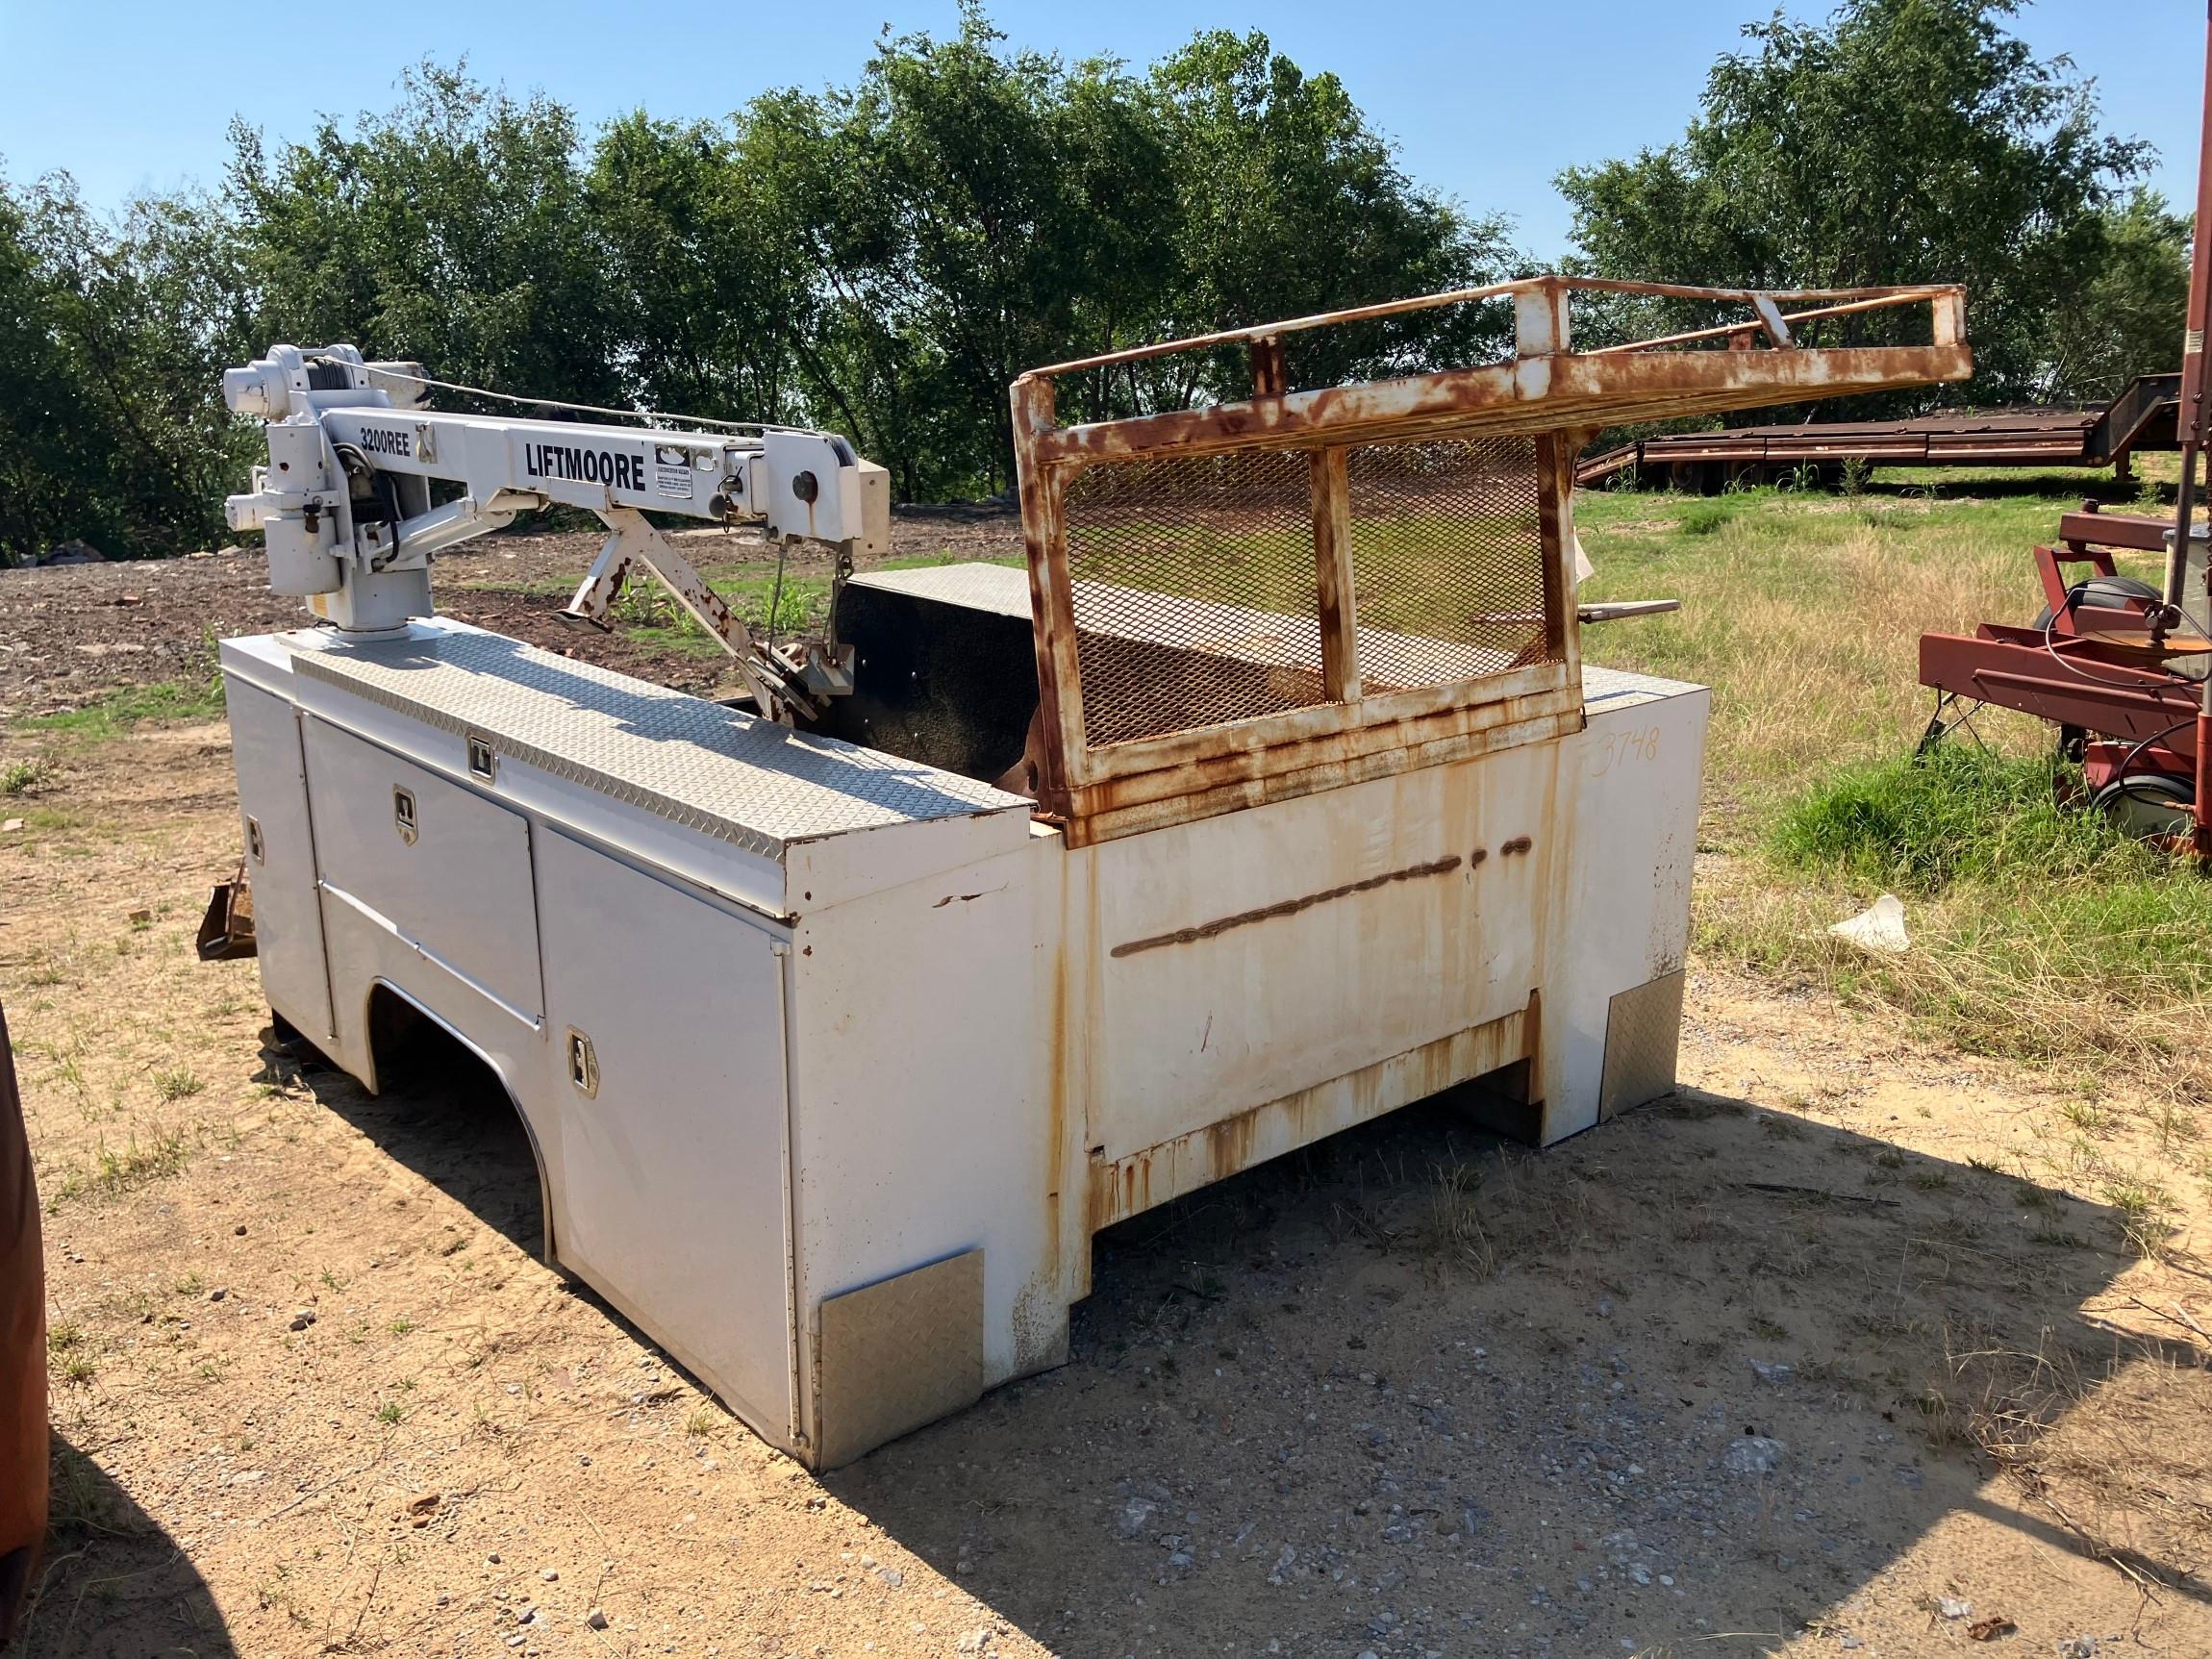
<point>2090,670</point>
<point>2141,417</point>
<point>2119,667</point>
<point>1547,392</point>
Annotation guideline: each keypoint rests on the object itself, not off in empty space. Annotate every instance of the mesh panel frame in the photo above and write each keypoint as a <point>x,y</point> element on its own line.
<point>1195,592</point>
<point>1448,559</point>
<point>1194,583</point>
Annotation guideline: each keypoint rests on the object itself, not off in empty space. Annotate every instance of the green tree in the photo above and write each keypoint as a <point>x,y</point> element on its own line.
<point>456,230</point>
<point>1289,203</point>
<point>46,442</point>
<point>883,259</point>
<point>1898,141</point>
<point>112,342</point>
<point>707,286</point>
<point>969,213</point>
<point>2127,319</point>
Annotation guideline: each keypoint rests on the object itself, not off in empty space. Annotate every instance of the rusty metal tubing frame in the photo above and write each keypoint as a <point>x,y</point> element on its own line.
<point>1546,389</point>
<point>2012,669</point>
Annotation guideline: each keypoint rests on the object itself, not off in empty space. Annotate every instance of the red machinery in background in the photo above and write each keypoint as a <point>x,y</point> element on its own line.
<point>2120,666</point>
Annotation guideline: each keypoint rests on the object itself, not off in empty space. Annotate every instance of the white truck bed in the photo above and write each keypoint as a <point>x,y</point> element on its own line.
<point>834,1062</point>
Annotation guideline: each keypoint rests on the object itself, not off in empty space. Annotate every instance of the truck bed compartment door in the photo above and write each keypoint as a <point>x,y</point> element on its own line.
<point>446,868</point>
<point>666,1027</point>
<point>280,856</point>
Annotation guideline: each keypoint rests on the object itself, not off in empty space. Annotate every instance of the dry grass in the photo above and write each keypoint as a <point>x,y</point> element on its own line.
<point>1490,1212</point>
<point>2110,1446</point>
<point>1804,613</point>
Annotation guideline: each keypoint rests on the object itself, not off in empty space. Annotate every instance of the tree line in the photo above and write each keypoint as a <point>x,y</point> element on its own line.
<point>884,258</point>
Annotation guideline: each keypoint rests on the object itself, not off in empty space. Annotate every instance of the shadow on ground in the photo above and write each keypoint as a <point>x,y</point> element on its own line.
<point>1704,1371</point>
<point>442,1114</point>
<point>2126,495</point>
<point>113,1584</point>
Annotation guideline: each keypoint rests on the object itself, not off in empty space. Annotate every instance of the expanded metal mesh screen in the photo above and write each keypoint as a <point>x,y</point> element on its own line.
<point>1195,586</point>
<point>1448,555</point>
<point>1195,592</point>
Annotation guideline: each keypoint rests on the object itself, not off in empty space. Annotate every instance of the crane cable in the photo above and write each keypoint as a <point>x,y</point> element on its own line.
<point>648,415</point>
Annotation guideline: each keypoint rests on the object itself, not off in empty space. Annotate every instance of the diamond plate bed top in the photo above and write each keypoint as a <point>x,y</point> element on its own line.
<point>713,769</point>
<point>1617,687</point>
<point>1002,590</point>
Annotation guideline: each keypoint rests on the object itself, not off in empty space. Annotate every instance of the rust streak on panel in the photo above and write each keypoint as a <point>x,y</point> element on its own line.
<point>1344,726</point>
<point>1493,398</point>
<point>1060,706</point>
<point>1286,907</point>
<point>1124,1186</point>
<point>1107,813</point>
<point>1947,300</point>
<point>1269,378</point>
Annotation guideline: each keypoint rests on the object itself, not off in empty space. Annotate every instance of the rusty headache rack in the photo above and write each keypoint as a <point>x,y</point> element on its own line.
<point>1253,600</point>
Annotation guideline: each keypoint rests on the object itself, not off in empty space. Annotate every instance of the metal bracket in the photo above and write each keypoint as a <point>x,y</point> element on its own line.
<point>779,686</point>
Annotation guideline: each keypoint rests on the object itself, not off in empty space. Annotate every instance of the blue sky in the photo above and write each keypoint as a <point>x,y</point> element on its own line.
<point>1487,101</point>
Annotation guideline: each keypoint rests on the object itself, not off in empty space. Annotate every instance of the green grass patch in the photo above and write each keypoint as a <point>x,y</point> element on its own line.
<point>114,713</point>
<point>2040,930</point>
<point>22,777</point>
<point>115,1171</point>
<point>1960,813</point>
<point>1703,518</point>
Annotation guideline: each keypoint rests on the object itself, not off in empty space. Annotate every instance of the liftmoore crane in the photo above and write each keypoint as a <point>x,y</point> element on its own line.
<point>347,507</point>
<point>1269,792</point>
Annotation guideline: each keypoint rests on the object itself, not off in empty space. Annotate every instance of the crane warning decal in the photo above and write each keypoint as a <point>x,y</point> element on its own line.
<point>673,472</point>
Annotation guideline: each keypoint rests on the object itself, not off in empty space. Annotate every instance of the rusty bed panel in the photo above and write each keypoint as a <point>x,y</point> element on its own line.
<point>1250,601</point>
<point>1219,925</point>
<point>1131,1185</point>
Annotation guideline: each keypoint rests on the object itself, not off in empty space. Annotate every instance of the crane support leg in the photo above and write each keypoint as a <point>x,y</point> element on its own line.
<point>632,541</point>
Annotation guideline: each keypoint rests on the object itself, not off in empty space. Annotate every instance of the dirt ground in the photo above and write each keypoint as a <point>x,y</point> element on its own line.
<point>69,633</point>
<point>1853,1344</point>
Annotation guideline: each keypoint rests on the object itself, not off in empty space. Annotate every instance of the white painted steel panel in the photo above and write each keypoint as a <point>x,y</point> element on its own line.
<point>925,1122</point>
<point>1629,820</point>
<point>1246,957</point>
<point>272,794</point>
<point>674,1203</point>
<point>459,891</point>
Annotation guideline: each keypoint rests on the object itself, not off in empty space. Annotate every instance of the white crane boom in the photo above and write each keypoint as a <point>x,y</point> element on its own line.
<point>352,522</point>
